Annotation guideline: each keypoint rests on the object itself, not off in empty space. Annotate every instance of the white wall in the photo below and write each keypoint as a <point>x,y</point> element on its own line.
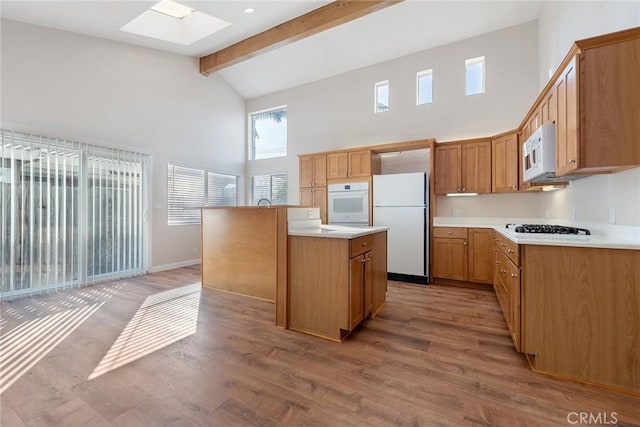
<point>86,89</point>
<point>561,23</point>
<point>338,112</point>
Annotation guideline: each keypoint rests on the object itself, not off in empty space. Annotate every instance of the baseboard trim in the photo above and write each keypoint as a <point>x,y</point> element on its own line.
<point>174,265</point>
<point>409,278</point>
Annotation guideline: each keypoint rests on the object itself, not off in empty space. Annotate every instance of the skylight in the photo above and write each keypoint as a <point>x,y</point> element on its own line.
<point>175,23</point>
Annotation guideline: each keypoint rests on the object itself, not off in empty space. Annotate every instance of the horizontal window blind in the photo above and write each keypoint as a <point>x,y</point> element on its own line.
<point>185,195</point>
<point>273,187</point>
<point>71,213</point>
<point>188,191</point>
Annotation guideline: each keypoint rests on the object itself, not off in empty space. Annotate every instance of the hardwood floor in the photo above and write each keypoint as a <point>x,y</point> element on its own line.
<point>434,356</point>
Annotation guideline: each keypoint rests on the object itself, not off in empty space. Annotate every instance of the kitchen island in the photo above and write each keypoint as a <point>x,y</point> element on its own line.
<point>337,278</point>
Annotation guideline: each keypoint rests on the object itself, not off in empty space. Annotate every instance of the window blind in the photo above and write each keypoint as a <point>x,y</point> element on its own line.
<point>185,195</point>
<point>222,189</point>
<point>71,213</point>
<point>273,187</point>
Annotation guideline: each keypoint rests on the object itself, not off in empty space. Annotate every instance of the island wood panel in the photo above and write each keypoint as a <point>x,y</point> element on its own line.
<point>581,313</point>
<point>282,273</point>
<point>379,283</point>
<point>318,277</point>
<point>240,250</point>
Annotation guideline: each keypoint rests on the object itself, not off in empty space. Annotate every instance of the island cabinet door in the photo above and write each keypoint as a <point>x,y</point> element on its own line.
<point>368,283</point>
<point>356,290</point>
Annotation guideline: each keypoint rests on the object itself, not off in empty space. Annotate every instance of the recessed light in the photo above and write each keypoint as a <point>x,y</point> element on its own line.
<point>171,8</point>
<point>249,10</point>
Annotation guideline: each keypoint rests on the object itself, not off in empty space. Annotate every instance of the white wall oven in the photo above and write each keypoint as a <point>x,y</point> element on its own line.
<point>349,204</point>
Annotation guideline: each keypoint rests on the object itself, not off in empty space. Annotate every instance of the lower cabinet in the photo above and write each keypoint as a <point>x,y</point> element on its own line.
<point>335,283</point>
<point>506,284</point>
<point>463,254</point>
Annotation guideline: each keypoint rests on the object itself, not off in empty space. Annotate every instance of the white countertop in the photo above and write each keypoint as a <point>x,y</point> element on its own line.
<point>336,231</point>
<point>602,235</point>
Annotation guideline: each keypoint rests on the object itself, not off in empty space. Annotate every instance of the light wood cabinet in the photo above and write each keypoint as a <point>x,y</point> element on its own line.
<point>448,178</point>
<point>463,167</point>
<point>463,254</point>
<point>349,164</point>
<point>335,283</point>
<point>480,269</point>
<point>313,170</point>
<point>313,182</point>
<point>506,284</point>
<point>504,164</point>
<point>315,196</point>
<point>567,119</point>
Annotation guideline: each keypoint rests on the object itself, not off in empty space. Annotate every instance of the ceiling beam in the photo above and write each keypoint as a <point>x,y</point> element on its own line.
<point>316,21</point>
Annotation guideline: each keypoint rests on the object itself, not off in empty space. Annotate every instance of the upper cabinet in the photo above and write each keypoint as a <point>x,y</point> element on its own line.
<point>463,167</point>
<point>313,170</point>
<point>351,164</point>
<point>594,100</point>
<point>504,163</point>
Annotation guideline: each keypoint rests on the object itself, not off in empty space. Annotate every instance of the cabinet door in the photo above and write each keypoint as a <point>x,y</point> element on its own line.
<point>306,197</point>
<point>337,165</point>
<point>448,177</point>
<point>319,170</point>
<point>306,171</point>
<point>450,258</point>
<point>356,290</point>
<point>476,167</point>
<point>504,164</point>
<point>566,88</point>
<point>359,163</point>
<point>481,262</point>
<point>320,200</point>
<point>514,304</point>
<point>368,282</point>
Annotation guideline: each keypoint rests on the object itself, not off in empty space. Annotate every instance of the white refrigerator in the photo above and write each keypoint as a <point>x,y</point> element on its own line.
<point>401,202</point>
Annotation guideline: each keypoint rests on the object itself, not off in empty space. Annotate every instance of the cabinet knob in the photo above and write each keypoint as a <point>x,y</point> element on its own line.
<point>503,245</point>
<point>458,189</point>
<point>465,243</point>
<point>513,187</point>
<point>509,251</point>
<point>464,189</point>
<point>572,160</point>
<point>448,232</point>
<point>364,243</point>
<point>514,275</point>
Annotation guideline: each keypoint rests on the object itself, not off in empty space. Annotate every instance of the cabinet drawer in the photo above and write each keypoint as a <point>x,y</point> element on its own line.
<point>361,245</point>
<point>450,232</point>
<point>510,248</point>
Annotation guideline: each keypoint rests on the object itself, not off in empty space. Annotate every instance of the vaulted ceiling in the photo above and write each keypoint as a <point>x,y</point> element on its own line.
<point>396,31</point>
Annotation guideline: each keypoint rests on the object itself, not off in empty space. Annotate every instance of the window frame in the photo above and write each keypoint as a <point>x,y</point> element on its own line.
<point>376,86</point>
<point>250,132</point>
<point>467,64</point>
<point>205,198</point>
<point>419,74</point>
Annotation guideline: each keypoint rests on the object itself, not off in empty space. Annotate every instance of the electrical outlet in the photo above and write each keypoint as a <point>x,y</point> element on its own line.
<point>612,215</point>
<point>457,212</point>
<point>309,214</point>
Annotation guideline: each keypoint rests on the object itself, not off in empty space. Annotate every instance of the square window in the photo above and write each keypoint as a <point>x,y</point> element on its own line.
<point>273,187</point>
<point>381,97</point>
<point>424,87</point>
<point>474,75</point>
<point>269,134</point>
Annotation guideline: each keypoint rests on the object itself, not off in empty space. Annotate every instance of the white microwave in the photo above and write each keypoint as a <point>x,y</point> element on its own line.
<point>539,155</point>
<point>348,203</point>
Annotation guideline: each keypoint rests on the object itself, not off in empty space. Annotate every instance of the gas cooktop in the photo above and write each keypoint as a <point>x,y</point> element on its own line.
<point>547,229</point>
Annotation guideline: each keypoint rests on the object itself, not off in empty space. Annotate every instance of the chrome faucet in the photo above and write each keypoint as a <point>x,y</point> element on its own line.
<point>264,202</point>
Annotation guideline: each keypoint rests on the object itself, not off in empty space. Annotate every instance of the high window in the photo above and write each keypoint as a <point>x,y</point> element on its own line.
<point>381,93</point>
<point>474,75</point>
<point>269,133</point>
<point>424,87</point>
<point>272,187</point>
<point>72,213</point>
<point>188,189</point>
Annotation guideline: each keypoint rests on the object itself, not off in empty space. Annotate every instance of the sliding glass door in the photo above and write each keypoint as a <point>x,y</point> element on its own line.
<point>71,213</point>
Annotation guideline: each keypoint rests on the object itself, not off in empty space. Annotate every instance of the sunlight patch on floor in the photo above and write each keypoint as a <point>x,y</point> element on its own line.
<point>161,320</point>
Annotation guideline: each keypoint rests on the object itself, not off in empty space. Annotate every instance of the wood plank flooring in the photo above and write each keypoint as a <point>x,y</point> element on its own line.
<point>434,356</point>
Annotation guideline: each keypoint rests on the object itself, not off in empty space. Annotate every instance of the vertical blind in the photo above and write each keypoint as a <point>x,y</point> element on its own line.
<point>273,187</point>
<point>72,213</point>
<point>188,191</point>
